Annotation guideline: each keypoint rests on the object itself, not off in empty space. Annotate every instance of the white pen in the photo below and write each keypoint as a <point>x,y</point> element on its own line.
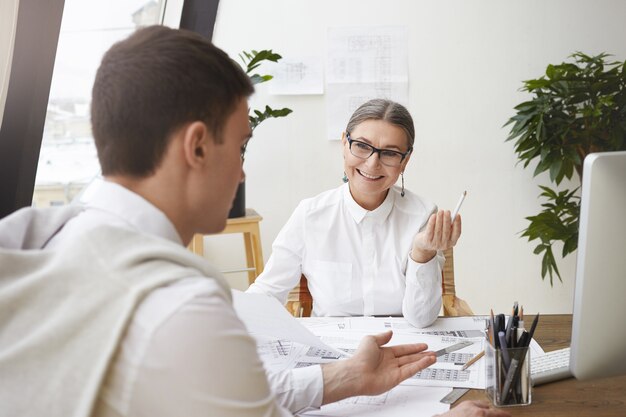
<point>458,206</point>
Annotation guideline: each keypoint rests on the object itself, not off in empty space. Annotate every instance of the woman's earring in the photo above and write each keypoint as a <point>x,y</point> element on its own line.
<point>345,178</point>
<point>402,192</point>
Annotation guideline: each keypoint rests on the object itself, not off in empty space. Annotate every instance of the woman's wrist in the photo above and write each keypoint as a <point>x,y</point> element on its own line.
<point>422,256</point>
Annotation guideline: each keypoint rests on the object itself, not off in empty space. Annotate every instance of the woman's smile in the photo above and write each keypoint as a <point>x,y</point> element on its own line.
<point>369,176</point>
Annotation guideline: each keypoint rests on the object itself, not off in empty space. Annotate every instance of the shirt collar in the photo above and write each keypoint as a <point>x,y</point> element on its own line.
<point>135,210</point>
<point>358,213</point>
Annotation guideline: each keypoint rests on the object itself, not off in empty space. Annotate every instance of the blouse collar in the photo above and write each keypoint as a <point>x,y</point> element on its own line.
<point>358,213</point>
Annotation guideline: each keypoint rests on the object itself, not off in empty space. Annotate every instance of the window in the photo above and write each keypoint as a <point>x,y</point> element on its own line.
<point>67,161</point>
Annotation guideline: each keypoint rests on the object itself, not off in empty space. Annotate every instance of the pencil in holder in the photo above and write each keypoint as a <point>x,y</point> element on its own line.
<point>508,375</point>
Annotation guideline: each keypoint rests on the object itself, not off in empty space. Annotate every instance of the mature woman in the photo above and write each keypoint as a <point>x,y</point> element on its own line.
<point>367,247</point>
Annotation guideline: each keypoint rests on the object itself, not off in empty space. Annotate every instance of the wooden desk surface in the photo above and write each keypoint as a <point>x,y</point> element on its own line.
<point>598,398</point>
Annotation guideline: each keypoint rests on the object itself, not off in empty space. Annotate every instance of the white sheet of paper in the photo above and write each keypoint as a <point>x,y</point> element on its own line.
<point>298,75</point>
<point>364,62</point>
<point>367,54</point>
<point>399,402</point>
<point>445,373</point>
<point>279,355</point>
<point>535,349</point>
<point>471,327</point>
<point>345,334</point>
<point>264,315</point>
<point>444,326</point>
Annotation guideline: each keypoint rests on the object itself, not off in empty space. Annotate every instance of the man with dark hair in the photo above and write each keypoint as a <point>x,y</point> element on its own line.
<point>107,313</point>
<point>148,85</point>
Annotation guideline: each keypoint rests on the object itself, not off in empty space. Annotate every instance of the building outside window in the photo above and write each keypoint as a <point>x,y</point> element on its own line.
<point>68,161</point>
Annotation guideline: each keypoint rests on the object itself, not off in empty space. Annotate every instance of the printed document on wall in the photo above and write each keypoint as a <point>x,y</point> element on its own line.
<point>364,63</point>
<point>298,76</point>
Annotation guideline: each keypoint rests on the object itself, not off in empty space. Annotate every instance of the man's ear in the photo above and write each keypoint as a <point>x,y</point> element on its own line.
<point>197,141</point>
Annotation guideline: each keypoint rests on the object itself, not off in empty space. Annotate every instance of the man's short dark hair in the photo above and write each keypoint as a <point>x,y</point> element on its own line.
<point>151,84</point>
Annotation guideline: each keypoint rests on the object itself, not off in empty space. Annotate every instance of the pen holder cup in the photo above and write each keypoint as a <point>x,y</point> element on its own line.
<point>508,376</point>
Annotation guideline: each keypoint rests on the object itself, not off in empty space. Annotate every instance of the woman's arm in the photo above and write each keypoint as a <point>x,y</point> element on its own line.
<point>422,298</point>
<point>284,268</point>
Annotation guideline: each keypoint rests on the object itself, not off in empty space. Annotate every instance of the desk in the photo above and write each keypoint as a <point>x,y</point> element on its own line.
<point>598,398</point>
<point>249,226</point>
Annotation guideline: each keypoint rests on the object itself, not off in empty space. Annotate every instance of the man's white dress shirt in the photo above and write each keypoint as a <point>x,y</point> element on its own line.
<point>185,352</point>
<point>356,261</point>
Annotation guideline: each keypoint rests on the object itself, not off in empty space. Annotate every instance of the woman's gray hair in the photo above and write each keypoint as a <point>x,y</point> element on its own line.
<point>387,110</point>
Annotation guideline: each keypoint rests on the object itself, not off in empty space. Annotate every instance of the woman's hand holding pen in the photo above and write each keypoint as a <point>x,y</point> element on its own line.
<point>440,234</point>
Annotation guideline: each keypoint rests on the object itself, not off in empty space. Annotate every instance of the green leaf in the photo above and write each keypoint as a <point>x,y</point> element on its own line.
<point>553,267</point>
<point>568,168</point>
<point>541,167</point>
<point>558,221</point>
<point>527,106</point>
<point>268,113</point>
<point>570,245</point>
<point>264,55</point>
<point>555,170</point>
<point>258,79</point>
<point>281,112</point>
<point>253,59</point>
<point>545,262</point>
<point>548,192</point>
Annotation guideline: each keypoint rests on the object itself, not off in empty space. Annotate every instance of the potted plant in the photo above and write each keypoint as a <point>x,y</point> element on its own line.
<point>251,61</point>
<point>576,108</point>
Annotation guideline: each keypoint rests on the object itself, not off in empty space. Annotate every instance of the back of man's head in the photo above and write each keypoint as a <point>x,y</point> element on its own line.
<point>151,84</point>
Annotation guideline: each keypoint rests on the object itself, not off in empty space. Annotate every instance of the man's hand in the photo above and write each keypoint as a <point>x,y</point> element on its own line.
<point>374,369</point>
<point>474,409</point>
<point>440,234</point>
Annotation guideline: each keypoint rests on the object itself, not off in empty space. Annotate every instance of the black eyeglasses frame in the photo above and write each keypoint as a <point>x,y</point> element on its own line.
<point>377,150</point>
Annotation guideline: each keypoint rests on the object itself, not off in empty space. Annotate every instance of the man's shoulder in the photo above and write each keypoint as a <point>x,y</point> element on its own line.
<point>132,255</point>
<point>31,228</point>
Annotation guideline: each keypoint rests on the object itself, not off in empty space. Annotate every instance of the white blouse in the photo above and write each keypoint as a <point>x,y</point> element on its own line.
<point>356,261</point>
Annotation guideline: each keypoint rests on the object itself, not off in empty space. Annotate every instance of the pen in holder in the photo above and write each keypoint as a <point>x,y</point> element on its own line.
<point>508,375</point>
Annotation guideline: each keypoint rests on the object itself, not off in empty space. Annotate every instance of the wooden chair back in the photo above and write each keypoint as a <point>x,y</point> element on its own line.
<point>453,306</point>
<point>300,301</point>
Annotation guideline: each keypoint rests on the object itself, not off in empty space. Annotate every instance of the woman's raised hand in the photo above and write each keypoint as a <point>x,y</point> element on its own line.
<point>440,233</point>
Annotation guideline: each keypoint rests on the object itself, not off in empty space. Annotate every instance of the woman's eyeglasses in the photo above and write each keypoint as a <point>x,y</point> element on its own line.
<point>387,157</point>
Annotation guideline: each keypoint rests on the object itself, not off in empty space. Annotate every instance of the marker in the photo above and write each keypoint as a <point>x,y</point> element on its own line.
<point>532,328</point>
<point>458,205</point>
<point>511,375</point>
<point>504,349</point>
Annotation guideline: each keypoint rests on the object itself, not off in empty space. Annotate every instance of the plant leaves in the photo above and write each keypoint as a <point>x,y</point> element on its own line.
<point>576,107</point>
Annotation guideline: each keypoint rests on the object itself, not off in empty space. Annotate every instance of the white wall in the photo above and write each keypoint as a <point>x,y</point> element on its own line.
<point>467,61</point>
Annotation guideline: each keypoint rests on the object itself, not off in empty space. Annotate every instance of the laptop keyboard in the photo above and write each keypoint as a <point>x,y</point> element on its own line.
<point>552,366</point>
